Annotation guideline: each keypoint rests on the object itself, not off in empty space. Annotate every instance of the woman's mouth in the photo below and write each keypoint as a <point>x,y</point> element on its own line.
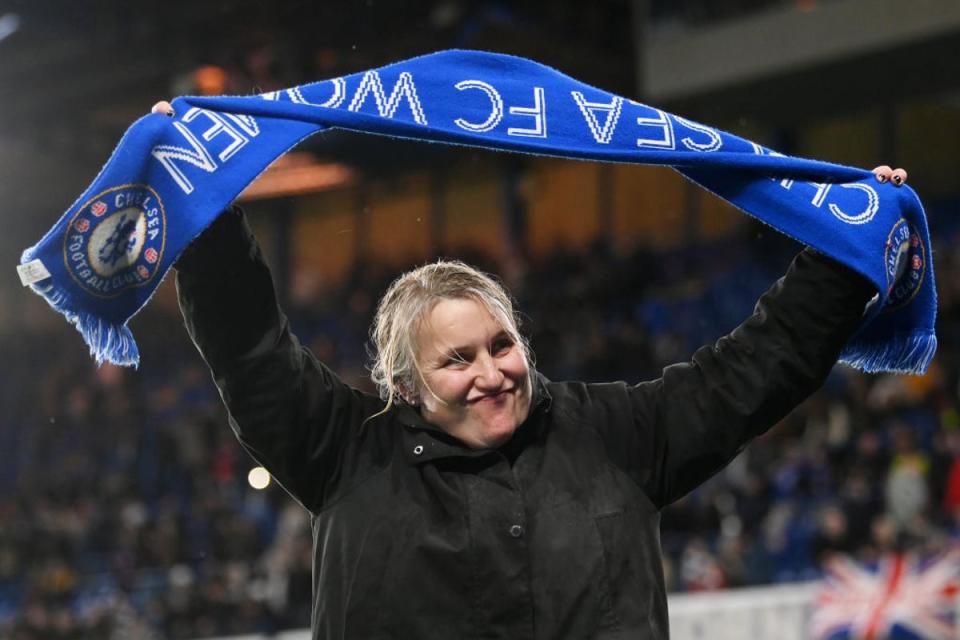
<point>492,397</point>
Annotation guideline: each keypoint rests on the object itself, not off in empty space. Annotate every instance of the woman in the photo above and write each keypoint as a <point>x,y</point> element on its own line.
<point>474,498</point>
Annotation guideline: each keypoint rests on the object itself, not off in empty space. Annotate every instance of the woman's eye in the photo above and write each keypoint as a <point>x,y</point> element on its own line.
<point>502,346</point>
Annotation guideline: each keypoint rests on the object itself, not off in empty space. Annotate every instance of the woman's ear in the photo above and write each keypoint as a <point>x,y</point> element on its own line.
<point>410,397</point>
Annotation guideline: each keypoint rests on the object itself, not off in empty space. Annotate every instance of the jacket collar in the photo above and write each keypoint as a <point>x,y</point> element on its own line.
<point>423,442</point>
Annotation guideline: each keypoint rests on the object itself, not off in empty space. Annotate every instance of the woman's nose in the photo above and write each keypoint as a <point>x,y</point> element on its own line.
<point>489,375</point>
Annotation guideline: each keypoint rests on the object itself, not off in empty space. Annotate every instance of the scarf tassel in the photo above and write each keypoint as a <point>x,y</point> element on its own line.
<point>901,353</point>
<point>108,342</point>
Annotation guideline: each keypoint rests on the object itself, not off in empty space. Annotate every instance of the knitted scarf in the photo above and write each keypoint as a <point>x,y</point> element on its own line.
<point>169,177</point>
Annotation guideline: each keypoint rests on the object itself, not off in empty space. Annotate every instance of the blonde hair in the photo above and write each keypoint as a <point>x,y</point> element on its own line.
<point>405,306</point>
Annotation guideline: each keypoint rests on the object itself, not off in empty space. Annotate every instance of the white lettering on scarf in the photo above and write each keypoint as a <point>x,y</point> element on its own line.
<point>198,155</point>
<point>295,95</point>
<point>602,134</point>
<point>873,205</point>
<point>246,123</point>
<point>714,137</point>
<point>496,106</point>
<point>822,189</point>
<point>334,101</point>
<point>667,140</point>
<point>539,114</point>
<point>386,107</point>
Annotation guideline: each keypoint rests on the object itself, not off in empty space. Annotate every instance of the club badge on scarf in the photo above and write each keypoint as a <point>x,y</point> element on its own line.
<point>169,178</point>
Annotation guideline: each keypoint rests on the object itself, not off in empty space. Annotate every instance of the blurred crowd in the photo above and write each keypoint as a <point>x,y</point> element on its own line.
<point>699,12</point>
<point>125,509</point>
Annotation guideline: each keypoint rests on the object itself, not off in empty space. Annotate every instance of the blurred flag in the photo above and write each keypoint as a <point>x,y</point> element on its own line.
<point>902,597</point>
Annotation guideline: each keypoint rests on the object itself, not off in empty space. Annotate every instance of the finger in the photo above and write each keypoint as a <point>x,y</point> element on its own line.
<point>163,107</point>
<point>883,172</point>
<point>898,177</point>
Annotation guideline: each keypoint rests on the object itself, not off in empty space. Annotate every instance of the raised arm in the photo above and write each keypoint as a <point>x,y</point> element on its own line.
<point>289,411</point>
<point>689,423</point>
<point>694,419</point>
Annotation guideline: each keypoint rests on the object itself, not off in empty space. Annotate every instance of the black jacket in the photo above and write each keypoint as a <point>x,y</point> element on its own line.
<point>556,534</point>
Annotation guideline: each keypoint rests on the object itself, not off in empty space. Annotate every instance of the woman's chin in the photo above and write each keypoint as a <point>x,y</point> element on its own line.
<point>499,438</point>
<point>492,434</point>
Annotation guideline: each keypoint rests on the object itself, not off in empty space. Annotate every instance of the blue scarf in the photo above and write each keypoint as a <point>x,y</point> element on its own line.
<point>170,177</point>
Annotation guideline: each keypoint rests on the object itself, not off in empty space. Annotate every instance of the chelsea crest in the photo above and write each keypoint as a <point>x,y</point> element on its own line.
<point>905,262</point>
<point>115,241</point>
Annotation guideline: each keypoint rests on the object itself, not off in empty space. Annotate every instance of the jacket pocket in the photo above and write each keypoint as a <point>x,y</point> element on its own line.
<point>633,574</point>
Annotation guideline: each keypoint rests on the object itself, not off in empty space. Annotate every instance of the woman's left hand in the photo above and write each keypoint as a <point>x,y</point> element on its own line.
<point>885,174</point>
<point>166,109</point>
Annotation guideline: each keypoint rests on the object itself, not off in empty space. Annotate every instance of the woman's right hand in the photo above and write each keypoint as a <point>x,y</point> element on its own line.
<point>883,173</point>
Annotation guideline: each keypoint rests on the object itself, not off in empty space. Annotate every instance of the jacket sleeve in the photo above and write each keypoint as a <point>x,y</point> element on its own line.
<point>290,412</point>
<point>694,419</point>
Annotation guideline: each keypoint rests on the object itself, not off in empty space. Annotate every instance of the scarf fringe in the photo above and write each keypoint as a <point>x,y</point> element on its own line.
<point>901,353</point>
<point>108,342</point>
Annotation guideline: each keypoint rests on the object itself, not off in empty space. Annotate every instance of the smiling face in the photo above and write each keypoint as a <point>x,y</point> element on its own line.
<point>477,382</point>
